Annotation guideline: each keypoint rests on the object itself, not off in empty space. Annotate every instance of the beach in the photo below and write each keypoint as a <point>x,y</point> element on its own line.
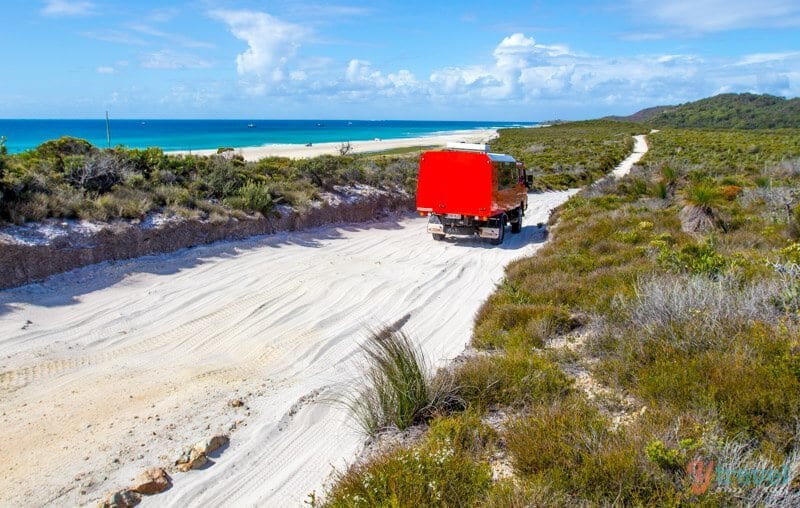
<point>295,151</point>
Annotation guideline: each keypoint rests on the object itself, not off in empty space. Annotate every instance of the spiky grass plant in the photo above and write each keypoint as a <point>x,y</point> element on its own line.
<point>702,195</point>
<point>399,389</point>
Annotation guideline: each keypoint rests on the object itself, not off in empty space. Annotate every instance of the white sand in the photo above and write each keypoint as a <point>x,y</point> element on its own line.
<point>639,149</point>
<point>132,360</point>
<point>302,152</point>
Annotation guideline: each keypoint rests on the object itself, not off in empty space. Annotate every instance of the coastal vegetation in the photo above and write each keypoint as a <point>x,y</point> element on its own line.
<point>70,178</point>
<point>569,155</point>
<point>724,111</point>
<point>657,328</point>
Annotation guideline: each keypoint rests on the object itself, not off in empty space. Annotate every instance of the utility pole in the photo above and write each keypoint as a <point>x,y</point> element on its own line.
<point>108,131</point>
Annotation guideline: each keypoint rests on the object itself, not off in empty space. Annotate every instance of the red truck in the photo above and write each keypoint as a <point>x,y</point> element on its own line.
<point>465,190</point>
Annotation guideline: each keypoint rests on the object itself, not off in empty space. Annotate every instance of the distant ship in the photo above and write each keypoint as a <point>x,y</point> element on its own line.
<point>251,126</point>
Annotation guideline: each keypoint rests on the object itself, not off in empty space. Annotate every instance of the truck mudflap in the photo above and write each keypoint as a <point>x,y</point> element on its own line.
<point>493,233</point>
<point>437,229</point>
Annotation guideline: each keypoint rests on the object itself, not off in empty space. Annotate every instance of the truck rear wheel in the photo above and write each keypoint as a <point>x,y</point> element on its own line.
<point>438,236</point>
<point>516,224</point>
<point>499,239</point>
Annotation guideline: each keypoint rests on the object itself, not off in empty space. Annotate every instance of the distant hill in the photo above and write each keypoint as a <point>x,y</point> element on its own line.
<point>641,116</point>
<point>725,111</point>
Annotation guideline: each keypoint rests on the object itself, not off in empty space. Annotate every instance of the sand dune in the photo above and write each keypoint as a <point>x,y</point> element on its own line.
<point>254,153</point>
<point>112,368</point>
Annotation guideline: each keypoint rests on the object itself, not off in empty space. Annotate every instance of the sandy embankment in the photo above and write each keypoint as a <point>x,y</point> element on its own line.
<point>112,368</point>
<point>304,152</point>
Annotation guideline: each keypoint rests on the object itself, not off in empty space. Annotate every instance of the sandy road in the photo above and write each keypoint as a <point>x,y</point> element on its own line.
<point>639,149</point>
<point>112,368</point>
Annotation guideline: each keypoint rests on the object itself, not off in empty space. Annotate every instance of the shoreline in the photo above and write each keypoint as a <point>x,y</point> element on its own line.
<point>296,151</point>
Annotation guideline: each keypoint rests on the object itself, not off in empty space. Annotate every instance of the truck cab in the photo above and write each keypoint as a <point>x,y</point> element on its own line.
<point>466,190</point>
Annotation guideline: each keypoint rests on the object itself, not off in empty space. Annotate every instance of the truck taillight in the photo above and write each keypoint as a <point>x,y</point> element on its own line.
<point>423,214</point>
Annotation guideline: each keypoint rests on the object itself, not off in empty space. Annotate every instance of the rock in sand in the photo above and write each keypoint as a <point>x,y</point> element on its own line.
<point>152,481</point>
<point>125,498</point>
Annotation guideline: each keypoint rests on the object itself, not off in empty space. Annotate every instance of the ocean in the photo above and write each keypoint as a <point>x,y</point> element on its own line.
<point>169,135</point>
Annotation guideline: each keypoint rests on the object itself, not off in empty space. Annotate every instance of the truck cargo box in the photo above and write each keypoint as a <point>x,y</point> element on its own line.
<point>471,191</point>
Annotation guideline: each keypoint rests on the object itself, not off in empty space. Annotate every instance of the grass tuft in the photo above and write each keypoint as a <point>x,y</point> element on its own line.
<point>399,388</point>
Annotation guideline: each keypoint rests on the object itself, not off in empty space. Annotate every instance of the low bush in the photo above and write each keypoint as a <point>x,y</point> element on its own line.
<point>568,444</point>
<point>252,197</point>
<point>518,493</point>
<point>690,343</point>
<point>437,472</point>
<point>515,377</point>
<point>515,324</point>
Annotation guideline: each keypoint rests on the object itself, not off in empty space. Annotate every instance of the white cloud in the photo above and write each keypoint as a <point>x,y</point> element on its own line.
<point>701,16</point>
<point>761,58</point>
<point>167,59</point>
<point>526,73</point>
<point>164,14</point>
<point>105,70</point>
<point>364,81</point>
<point>326,10</point>
<point>271,44</point>
<point>180,40</point>
<point>522,68</point>
<point>116,36</point>
<point>68,8</point>
<point>523,75</point>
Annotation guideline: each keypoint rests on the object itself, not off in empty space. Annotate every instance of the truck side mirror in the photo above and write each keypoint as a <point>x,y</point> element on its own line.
<point>529,181</point>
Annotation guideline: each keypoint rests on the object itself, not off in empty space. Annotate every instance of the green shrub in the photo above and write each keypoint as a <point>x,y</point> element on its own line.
<point>522,324</point>
<point>568,445</point>
<point>65,146</point>
<point>518,493</point>
<point>673,459</point>
<point>35,207</point>
<point>703,195</point>
<point>125,203</point>
<point>660,190</point>
<point>515,377</point>
<point>699,259</point>
<point>173,195</point>
<point>223,179</point>
<point>464,432</point>
<point>433,473</point>
<point>252,197</point>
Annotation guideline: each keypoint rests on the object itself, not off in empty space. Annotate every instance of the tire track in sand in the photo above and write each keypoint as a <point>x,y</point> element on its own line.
<point>188,335</point>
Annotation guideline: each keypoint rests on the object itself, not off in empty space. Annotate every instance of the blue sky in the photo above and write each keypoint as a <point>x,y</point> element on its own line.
<point>464,60</point>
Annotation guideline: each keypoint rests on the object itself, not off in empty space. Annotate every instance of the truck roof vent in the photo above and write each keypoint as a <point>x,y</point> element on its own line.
<point>469,147</point>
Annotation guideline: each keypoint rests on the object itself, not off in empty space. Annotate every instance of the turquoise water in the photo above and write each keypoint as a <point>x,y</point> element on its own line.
<point>23,135</point>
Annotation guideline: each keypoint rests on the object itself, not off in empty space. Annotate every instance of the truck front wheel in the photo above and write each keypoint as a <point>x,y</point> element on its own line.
<point>438,236</point>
